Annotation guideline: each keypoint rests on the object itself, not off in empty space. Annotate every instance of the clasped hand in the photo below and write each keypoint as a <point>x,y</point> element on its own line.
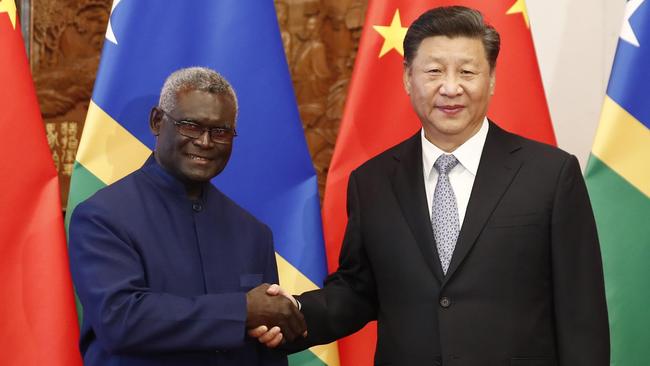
<point>272,318</point>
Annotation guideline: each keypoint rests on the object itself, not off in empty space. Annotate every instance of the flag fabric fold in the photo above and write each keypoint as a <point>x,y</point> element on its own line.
<point>38,324</point>
<point>270,173</point>
<point>618,179</point>
<point>378,113</point>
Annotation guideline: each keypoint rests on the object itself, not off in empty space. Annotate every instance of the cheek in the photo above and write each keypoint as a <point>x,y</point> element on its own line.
<point>222,156</point>
<point>423,98</point>
<point>180,144</point>
<point>480,95</point>
<point>225,154</point>
<point>427,90</point>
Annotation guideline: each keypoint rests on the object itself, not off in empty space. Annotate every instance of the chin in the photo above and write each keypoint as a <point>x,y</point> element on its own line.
<point>201,178</point>
<point>449,128</point>
<point>455,130</point>
<point>194,175</point>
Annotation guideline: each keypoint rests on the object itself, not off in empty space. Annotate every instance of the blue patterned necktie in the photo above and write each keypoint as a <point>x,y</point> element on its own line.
<point>445,213</point>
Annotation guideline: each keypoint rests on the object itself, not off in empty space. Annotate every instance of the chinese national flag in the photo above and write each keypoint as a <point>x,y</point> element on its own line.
<point>378,113</point>
<point>38,322</point>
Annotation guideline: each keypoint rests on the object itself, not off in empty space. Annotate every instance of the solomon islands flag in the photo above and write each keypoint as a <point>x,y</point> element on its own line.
<point>618,178</point>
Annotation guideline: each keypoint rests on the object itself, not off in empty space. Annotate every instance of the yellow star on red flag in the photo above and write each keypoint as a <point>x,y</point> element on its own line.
<point>393,35</point>
<point>9,7</point>
<point>520,7</point>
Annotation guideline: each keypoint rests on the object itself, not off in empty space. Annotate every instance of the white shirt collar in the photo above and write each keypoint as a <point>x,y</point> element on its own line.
<point>468,154</point>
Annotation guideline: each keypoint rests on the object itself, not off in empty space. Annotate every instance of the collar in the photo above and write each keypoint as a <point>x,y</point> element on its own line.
<point>167,181</point>
<point>468,154</point>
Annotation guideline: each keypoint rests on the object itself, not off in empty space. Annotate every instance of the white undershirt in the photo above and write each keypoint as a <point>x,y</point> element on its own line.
<point>462,175</point>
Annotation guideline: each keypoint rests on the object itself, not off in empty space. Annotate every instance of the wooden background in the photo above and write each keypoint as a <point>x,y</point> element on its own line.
<point>65,38</point>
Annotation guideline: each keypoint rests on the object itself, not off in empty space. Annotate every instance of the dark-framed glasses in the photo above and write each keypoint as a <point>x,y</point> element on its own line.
<point>193,130</point>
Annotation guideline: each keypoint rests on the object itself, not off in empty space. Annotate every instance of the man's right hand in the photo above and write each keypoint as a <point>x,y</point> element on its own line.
<point>274,311</point>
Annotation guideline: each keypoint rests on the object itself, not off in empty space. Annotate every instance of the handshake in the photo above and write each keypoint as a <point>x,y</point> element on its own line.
<point>272,316</point>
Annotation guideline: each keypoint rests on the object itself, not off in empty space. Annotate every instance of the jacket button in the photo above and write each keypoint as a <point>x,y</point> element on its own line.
<point>445,302</point>
<point>197,207</point>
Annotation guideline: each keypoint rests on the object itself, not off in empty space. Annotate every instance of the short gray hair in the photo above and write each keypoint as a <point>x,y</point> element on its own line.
<point>194,78</point>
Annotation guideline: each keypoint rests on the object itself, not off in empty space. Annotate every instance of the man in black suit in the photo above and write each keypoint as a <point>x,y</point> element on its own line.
<point>468,244</point>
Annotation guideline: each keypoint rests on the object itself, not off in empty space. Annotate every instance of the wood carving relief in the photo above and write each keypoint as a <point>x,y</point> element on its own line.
<point>320,38</point>
<point>66,41</point>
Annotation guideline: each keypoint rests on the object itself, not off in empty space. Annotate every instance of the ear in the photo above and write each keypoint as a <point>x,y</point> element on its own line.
<point>406,78</point>
<point>155,119</point>
<point>493,79</point>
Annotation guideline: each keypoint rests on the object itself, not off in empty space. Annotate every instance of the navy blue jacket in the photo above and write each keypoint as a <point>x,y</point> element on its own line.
<point>163,279</point>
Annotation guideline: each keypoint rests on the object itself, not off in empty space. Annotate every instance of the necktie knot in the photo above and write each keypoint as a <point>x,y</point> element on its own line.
<point>445,163</point>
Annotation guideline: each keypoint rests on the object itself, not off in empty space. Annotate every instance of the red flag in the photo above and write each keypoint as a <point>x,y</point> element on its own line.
<point>378,113</point>
<point>38,322</point>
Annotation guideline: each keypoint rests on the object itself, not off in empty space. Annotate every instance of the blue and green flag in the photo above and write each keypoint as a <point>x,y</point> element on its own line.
<point>618,178</point>
<point>270,172</point>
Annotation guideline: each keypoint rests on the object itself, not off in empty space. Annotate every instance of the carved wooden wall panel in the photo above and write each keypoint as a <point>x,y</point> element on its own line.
<point>66,41</point>
<point>320,39</point>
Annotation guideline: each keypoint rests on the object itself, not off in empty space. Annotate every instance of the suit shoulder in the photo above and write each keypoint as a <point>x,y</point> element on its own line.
<point>540,151</point>
<point>543,160</point>
<point>385,160</point>
<point>117,193</point>
<point>236,213</point>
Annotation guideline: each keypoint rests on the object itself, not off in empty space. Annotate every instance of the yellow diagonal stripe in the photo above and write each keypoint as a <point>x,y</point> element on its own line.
<point>107,149</point>
<point>295,282</point>
<point>291,278</point>
<point>9,7</point>
<point>623,143</point>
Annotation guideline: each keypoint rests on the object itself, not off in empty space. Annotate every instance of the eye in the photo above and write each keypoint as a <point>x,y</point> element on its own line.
<point>434,71</point>
<point>467,72</point>
<point>190,126</point>
<point>218,131</point>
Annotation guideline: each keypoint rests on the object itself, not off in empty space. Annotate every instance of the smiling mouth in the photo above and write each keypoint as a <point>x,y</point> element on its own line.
<point>450,109</point>
<point>198,158</point>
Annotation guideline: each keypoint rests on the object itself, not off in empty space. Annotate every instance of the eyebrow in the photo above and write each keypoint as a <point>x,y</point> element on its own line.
<point>225,124</point>
<point>441,60</point>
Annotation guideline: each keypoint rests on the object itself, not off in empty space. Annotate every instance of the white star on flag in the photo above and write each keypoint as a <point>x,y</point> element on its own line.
<point>627,33</point>
<point>109,31</point>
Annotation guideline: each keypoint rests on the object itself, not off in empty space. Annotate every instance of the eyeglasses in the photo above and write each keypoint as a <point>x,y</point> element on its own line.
<point>220,135</point>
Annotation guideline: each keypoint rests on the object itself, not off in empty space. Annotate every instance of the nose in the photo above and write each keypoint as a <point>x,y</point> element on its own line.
<point>204,140</point>
<point>451,86</point>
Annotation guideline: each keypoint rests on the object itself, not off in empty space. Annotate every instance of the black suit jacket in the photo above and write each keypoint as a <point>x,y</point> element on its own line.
<point>525,284</point>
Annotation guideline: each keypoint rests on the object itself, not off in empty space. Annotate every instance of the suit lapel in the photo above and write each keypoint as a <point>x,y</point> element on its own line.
<point>408,183</point>
<point>496,171</point>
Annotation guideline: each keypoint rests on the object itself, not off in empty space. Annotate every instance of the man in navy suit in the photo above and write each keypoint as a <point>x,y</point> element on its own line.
<point>168,269</point>
<point>469,245</point>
